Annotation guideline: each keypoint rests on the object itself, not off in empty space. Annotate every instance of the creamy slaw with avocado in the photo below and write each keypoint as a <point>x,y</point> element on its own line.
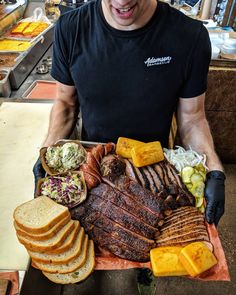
<point>66,157</point>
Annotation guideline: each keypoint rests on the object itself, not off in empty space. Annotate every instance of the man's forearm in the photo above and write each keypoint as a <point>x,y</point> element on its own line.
<point>197,134</point>
<point>62,121</point>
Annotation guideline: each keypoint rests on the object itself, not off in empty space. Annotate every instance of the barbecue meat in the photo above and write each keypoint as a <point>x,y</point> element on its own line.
<point>139,194</point>
<point>90,218</point>
<point>120,219</point>
<point>121,216</point>
<point>112,166</point>
<point>185,225</point>
<point>161,178</point>
<point>127,203</point>
<point>116,246</point>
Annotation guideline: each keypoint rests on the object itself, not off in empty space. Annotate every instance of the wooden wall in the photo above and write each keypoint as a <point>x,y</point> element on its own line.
<point>221,111</point>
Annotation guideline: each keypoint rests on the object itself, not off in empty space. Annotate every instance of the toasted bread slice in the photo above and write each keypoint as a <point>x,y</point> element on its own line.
<point>47,235</point>
<point>39,215</point>
<point>49,244</point>
<point>64,257</point>
<point>79,274</point>
<point>66,267</point>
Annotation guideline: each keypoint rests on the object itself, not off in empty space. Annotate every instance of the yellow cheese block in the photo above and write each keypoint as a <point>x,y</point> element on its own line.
<point>32,26</point>
<point>147,154</point>
<point>14,45</point>
<point>165,261</point>
<point>197,258</point>
<point>39,29</point>
<point>124,146</point>
<point>20,28</point>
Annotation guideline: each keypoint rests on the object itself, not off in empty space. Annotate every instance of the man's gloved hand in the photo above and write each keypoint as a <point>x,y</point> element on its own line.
<point>146,282</point>
<point>39,172</point>
<point>215,196</point>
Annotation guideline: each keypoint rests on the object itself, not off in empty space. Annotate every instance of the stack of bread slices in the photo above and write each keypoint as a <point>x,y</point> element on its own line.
<point>56,244</point>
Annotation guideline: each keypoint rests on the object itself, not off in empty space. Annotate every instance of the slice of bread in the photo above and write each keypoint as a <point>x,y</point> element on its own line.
<point>51,243</point>
<point>66,267</point>
<point>64,257</point>
<point>68,241</point>
<point>77,275</point>
<point>47,235</point>
<point>39,215</point>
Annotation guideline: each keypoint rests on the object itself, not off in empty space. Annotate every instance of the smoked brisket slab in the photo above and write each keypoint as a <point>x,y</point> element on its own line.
<point>127,203</point>
<point>116,246</point>
<point>141,195</point>
<point>121,216</point>
<point>89,219</point>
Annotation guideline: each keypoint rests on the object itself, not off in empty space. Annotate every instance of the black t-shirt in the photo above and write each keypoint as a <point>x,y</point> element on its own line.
<point>129,82</point>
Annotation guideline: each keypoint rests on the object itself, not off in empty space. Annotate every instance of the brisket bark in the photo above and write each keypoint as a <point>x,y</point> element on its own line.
<point>143,196</point>
<point>90,218</point>
<point>121,216</point>
<point>127,203</point>
<point>116,246</point>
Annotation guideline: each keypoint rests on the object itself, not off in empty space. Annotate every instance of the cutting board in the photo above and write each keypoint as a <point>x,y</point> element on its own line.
<point>23,127</point>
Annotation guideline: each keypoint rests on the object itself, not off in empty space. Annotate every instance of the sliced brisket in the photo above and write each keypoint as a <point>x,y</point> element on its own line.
<point>116,246</point>
<point>125,202</point>
<point>143,196</point>
<point>128,237</point>
<point>121,216</point>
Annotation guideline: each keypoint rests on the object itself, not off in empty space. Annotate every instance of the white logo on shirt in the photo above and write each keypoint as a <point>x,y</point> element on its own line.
<point>155,61</point>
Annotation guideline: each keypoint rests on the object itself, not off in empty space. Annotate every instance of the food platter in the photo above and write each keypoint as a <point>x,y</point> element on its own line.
<point>127,214</point>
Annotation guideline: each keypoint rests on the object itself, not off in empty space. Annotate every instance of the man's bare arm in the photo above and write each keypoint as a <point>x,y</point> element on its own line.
<point>194,129</point>
<point>64,114</point>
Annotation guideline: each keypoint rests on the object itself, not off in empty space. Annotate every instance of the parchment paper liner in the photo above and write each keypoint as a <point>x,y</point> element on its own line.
<point>219,272</point>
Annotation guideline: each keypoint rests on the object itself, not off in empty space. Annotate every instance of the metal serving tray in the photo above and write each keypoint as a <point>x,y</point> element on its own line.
<point>41,89</point>
<point>5,88</point>
<point>30,58</point>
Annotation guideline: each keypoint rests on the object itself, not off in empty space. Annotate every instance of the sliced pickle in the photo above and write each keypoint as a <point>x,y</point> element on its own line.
<point>189,185</point>
<point>186,174</point>
<point>201,168</point>
<point>198,189</point>
<point>199,202</point>
<point>196,177</point>
<point>203,174</point>
<point>201,208</point>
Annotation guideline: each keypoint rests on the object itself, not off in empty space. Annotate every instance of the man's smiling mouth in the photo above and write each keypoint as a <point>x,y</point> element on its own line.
<point>125,12</point>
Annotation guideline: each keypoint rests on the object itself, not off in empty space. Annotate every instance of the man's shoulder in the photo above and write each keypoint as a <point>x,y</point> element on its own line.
<point>179,21</point>
<point>82,13</point>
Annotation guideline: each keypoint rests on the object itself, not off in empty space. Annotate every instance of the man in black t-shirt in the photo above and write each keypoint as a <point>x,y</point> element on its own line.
<point>128,65</point>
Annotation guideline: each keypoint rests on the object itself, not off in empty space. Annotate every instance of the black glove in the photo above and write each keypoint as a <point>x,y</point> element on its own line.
<point>215,196</point>
<point>39,172</point>
<point>145,282</point>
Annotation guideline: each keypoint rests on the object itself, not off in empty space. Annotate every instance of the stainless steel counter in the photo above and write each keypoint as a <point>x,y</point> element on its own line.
<point>33,76</point>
